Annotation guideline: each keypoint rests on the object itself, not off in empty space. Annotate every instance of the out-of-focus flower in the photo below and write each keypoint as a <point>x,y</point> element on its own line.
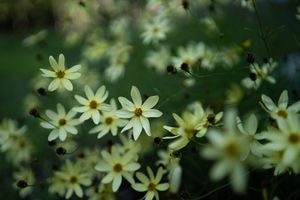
<point>282,110</point>
<point>116,166</point>
<point>155,30</point>
<point>159,59</point>
<point>69,179</point>
<point>230,148</point>
<point>25,175</point>
<point>259,74</point>
<point>101,192</point>
<point>35,38</point>
<point>150,184</point>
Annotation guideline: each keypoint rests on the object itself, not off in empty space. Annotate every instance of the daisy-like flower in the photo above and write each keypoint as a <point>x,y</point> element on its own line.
<point>69,179</point>
<point>155,30</point>
<point>158,59</point>
<point>286,139</point>
<point>150,184</point>
<point>187,127</point>
<point>93,104</point>
<point>61,123</point>
<point>259,74</point>
<point>109,122</point>
<point>211,120</point>
<point>230,148</point>
<point>189,55</point>
<point>27,176</point>
<point>172,164</point>
<point>138,112</point>
<point>117,165</point>
<point>61,75</point>
<point>281,110</point>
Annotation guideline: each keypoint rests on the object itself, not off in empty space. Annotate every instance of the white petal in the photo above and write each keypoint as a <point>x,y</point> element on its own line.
<point>137,128</point>
<point>100,92</point>
<point>142,177</point>
<point>53,135</point>
<point>78,190</point>
<point>150,102</point>
<point>48,73</point>
<point>54,85</point>
<point>124,114</point>
<point>108,178</point>
<point>117,182</point>
<point>81,100</point>
<point>47,125</point>
<point>162,186</point>
<point>151,113</point>
<point>136,96</point>
<point>73,69</point>
<point>89,93</point>
<point>61,110</point>
<point>238,178</point>
<point>62,134</point>
<point>53,63</point>
<point>67,84</point>
<point>220,169</point>
<point>139,187</point>
<point>96,116</point>
<point>268,102</point>
<point>283,99</point>
<point>146,125</point>
<point>126,104</point>
<point>61,62</point>
<point>251,124</point>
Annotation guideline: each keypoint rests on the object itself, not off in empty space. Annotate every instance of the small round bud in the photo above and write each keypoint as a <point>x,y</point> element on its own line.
<point>185,4</point>
<point>176,153</point>
<point>185,67</point>
<point>161,165</point>
<point>39,56</point>
<point>22,184</point>
<point>81,3</point>
<point>250,58</point>
<point>55,167</point>
<point>52,143</point>
<point>61,151</point>
<point>171,69</point>
<point>34,112</point>
<point>157,140</point>
<point>253,76</point>
<point>81,155</point>
<point>265,60</point>
<point>41,91</point>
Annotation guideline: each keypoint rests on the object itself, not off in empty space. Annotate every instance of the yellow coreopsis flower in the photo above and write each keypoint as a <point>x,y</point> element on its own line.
<point>61,75</point>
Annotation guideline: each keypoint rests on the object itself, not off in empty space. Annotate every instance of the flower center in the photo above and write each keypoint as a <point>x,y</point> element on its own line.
<point>22,144</point>
<point>60,74</point>
<point>151,187</point>
<point>282,113</point>
<point>231,150</point>
<point>108,120</point>
<point>118,167</point>
<point>211,119</point>
<point>138,112</point>
<point>294,138</point>
<point>73,179</point>
<point>93,104</point>
<point>62,122</point>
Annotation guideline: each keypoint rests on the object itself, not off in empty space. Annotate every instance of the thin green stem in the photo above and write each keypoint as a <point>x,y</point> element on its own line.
<point>260,24</point>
